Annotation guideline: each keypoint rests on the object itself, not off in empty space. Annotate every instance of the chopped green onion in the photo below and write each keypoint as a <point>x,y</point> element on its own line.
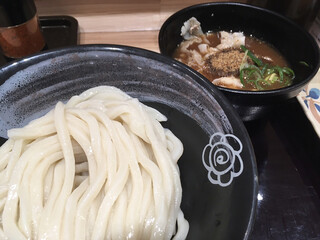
<point>262,73</point>
<point>264,68</point>
<point>272,78</point>
<point>288,71</point>
<point>279,69</point>
<point>252,56</point>
<point>304,63</point>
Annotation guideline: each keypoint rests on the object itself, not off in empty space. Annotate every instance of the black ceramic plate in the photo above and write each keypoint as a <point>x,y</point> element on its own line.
<point>219,194</point>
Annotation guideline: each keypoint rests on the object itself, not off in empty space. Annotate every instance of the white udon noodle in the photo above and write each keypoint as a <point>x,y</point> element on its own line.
<point>100,166</point>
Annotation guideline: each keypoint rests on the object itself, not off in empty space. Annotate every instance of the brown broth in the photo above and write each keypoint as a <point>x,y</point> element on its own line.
<point>266,52</point>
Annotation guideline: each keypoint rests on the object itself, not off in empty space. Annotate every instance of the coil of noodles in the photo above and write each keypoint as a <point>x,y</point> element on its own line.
<point>100,166</point>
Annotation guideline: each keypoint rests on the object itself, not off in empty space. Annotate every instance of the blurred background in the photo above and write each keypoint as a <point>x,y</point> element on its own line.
<point>100,18</point>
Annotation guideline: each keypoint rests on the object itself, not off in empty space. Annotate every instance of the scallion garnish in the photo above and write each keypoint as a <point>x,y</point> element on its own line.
<point>262,74</point>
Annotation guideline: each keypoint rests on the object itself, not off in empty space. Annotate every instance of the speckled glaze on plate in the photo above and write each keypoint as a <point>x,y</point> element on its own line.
<point>219,194</point>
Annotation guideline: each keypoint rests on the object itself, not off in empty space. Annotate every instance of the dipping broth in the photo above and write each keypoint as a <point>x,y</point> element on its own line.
<point>224,58</point>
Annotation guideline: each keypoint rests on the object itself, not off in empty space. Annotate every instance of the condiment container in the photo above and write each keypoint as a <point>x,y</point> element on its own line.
<point>20,31</point>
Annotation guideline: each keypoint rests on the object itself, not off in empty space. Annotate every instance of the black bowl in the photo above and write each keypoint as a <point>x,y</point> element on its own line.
<point>291,40</point>
<point>195,112</point>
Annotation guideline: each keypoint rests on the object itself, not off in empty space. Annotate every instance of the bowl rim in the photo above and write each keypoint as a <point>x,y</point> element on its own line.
<point>275,92</point>
<point>11,68</point>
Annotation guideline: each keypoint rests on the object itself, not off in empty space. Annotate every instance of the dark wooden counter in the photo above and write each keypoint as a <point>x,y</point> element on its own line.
<point>288,157</point>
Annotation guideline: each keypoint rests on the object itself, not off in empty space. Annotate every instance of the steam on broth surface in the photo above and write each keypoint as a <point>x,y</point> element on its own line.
<point>233,60</point>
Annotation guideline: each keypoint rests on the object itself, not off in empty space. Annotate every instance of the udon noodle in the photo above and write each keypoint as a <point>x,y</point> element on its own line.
<point>100,166</point>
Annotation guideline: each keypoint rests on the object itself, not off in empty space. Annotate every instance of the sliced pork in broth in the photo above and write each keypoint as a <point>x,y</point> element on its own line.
<point>233,60</point>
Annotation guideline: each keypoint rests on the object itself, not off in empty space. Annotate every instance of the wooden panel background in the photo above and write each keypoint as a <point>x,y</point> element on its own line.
<point>133,23</point>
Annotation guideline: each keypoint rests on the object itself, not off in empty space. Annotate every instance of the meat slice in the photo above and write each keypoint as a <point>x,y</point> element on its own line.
<point>229,82</point>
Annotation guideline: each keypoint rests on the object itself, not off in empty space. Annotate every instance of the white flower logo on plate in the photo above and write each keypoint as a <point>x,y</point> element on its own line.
<point>222,161</point>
